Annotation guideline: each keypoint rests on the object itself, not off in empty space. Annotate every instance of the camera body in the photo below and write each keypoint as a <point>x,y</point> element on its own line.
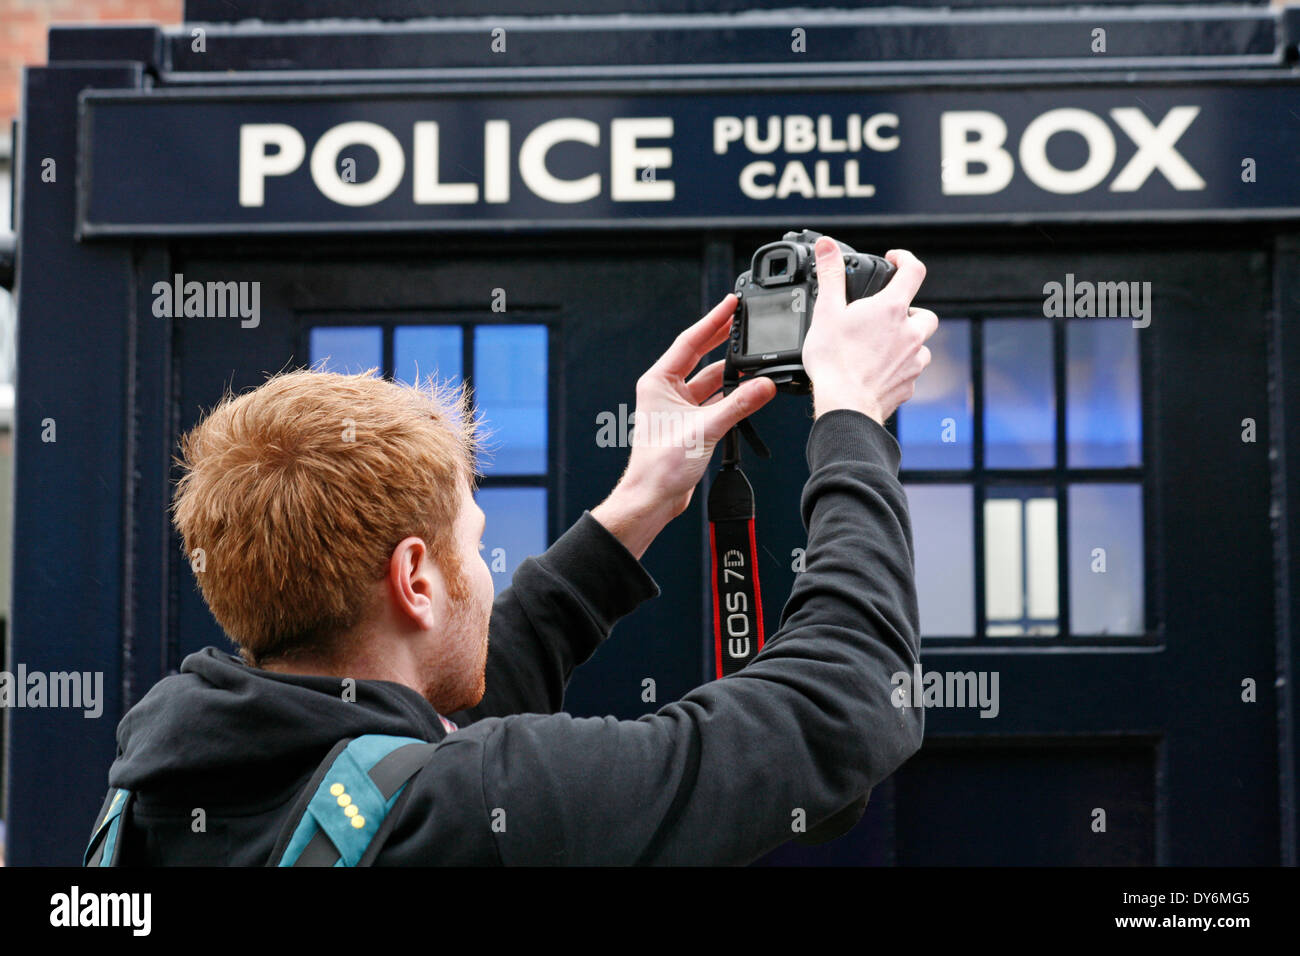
<point>776,306</point>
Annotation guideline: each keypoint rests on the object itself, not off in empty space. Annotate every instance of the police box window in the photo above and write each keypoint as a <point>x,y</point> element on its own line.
<point>1022,461</point>
<point>509,378</point>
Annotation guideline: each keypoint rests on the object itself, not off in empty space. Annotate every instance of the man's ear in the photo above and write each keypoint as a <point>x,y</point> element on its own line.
<point>415,586</point>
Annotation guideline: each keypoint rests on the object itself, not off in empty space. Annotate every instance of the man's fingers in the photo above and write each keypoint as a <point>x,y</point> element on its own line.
<point>830,276</point>
<point>925,320</point>
<point>706,381</point>
<point>689,347</point>
<point>720,417</point>
<point>907,280</point>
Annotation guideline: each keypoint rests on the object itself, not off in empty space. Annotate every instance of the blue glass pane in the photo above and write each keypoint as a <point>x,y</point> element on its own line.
<point>1019,401</point>
<point>510,391</point>
<point>1106,560</point>
<point>943,529</point>
<point>515,529</point>
<point>1103,404</point>
<point>426,350</point>
<point>935,426</point>
<point>348,349</point>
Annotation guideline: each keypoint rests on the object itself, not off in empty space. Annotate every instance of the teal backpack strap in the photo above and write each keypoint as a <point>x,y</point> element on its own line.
<point>105,847</point>
<point>344,811</point>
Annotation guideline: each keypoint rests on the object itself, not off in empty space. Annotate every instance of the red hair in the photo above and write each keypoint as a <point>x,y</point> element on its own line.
<point>294,495</point>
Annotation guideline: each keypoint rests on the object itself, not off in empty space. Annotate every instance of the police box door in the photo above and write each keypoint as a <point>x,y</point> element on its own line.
<point>552,340</point>
<point>1086,462</point>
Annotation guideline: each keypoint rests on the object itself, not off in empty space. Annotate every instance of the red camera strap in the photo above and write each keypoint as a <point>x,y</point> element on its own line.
<point>737,600</point>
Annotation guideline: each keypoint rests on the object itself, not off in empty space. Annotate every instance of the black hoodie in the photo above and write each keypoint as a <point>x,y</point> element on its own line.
<point>716,777</point>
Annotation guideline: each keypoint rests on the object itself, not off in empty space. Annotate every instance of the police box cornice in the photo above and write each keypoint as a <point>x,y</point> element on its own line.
<point>1106,119</point>
<point>649,37</point>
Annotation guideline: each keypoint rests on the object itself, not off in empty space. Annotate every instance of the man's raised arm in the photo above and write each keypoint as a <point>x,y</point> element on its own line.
<point>562,604</point>
<point>722,775</point>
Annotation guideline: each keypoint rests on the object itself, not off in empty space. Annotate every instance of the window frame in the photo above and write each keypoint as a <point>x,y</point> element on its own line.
<point>388,320</point>
<point>1059,478</point>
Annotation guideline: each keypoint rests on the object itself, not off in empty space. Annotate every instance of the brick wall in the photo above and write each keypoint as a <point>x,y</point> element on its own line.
<point>25,24</point>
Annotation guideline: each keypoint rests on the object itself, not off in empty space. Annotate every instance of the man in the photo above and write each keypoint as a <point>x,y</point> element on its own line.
<point>339,545</point>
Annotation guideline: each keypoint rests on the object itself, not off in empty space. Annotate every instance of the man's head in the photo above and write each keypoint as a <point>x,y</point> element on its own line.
<point>331,527</point>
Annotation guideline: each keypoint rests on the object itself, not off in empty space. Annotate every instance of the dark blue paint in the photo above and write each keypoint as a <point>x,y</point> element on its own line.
<point>68,524</point>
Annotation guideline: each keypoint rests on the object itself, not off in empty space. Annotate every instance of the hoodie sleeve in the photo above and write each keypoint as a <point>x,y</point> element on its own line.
<point>560,606</point>
<point>722,776</point>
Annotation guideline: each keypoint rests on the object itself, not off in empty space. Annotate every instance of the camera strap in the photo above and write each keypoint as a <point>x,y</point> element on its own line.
<point>737,607</point>
<point>737,600</point>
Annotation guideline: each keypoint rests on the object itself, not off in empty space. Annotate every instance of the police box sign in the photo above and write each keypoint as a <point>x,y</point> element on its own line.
<point>292,161</point>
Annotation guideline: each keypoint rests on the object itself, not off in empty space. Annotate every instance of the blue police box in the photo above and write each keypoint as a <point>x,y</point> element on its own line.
<point>535,198</point>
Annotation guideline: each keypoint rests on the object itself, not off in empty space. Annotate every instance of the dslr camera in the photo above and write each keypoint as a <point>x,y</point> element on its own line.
<point>776,306</point>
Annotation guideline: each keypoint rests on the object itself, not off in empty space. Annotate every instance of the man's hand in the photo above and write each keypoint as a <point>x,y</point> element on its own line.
<point>678,423</point>
<point>866,355</point>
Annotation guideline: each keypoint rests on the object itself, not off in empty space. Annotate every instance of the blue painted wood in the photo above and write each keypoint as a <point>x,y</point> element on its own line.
<point>69,546</point>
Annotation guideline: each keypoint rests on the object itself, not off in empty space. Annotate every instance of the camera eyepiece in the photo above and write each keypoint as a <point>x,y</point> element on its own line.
<point>776,296</point>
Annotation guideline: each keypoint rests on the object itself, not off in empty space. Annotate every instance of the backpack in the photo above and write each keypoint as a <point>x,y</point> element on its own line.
<point>341,818</point>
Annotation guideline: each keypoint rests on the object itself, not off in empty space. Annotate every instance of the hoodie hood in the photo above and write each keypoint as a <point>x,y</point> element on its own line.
<point>218,721</point>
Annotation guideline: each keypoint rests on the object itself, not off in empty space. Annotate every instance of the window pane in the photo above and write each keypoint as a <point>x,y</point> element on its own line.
<point>1004,595</point>
<point>426,350</point>
<point>1103,425</point>
<point>348,349</point>
<point>935,426</point>
<point>943,535</point>
<point>1020,562</point>
<point>510,391</point>
<point>515,529</point>
<point>1019,400</point>
<point>1041,551</point>
<point>1106,560</point>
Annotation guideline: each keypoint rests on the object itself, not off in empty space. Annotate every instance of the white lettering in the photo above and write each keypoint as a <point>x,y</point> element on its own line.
<point>958,152</point>
<point>324,164</point>
<point>626,159</point>
<point>255,164</point>
<point>532,161</point>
